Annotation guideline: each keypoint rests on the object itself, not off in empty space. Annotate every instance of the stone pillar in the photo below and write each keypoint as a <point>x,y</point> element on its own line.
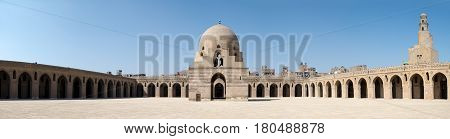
<point>267,91</point>
<point>333,91</point>
<point>428,90</point>
<point>34,88</point>
<point>280,91</point>
<point>344,90</point>
<point>325,91</point>
<point>387,90</point>
<point>69,90</point>
<point>292,91</point>
<point>95,91</point>
<point>311,91</point>
<point>317,91</point>
<point>105,91</point>
<point>254,92</point>
<point>303,91</point>
<point>83,90</point>
<point>370,90</point>
<point>170,91</point>
<point>407,93</point>
<point>448,87</point>
<point>113,94</point>
<point>145,91</point>
<point>13,89</point>
<point>356,90</point>
<point>183,92</point>
<point>157,91</point>
<point>53,89</point>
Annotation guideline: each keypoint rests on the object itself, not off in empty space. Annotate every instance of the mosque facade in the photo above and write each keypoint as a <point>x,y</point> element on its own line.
<point>218,72</point>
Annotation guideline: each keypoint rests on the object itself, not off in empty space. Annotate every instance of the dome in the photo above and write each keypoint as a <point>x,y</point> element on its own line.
<point>423,14</point>
<point>218,36</point>
<point>219,30</point>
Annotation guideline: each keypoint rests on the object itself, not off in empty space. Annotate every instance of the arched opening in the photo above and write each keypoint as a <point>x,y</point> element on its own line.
<point>218,60</point>
<point>219,91</point>
<point>218,85</point>
<point>140,90</point>
<point>101,89</point>
<point>151,90</point>
<point>379,91</point>
<point>397,89</point>
<point>350,90</point>
<point>5,82</point>
<point>90,88</point>
<point>320,90</point>
<point>132,91</point>
<point>440,86</point>
<point>163,90</point>
<point>176,90</point>
<point>118,89</point>
<point>313,90</point>
<point>298,90</point>
<point>44,87</point>
<point>306,90</point>
<point>62,87</point>
<point>260,90</point>
<point>273,90</point>
<point>24,87</point>
<point>76,88</point>
<point>126,90</point>
<point>338,89</point>
<point>249,89</point>
<point>329,89</point>
<point>187,90</point>
<point>110,92</point>
<point>286,90</point>
<point>417,89</point>
<point>363,87</point>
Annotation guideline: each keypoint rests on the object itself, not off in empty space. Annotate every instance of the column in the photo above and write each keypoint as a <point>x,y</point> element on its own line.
<point>370,90</point>
<point>105,91</point>
<point>387,90</point>
<point>280,91</point>
<point>344,89</point>
<point>113,94</point>
<point>95,91</point>
<point>34,88</point>
<point>311,91</point>
<point>13,90</point>
<point>317,91</point>
<point>170,91</point>
<point>406,90</point>
<point>267,91</point>
<point>53,89</point>
<point>183,92</point>
<point>303,90</point>
<point>292,91</point>
<point>356,89</point>
<point>254,91</point>
<point>325,90</point>
<point>145,91</point>
<point>157,91</point>
<point>69,90</point>
<point>428,89</point>
<point>333,91</point>
<point>83,90</point>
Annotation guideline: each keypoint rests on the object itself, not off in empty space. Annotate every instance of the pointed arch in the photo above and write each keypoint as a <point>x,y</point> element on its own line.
<point>298,90</point>
<point>378,86</point>
<point>151,90</point>
<point>101,89</point>
<point>25,86</point>
<point>176,90</point>
<point>260,90</point>
<point>440,86</point>
<point>417,87</point>
<point>44,86</point>
<point>90,88</point>
<point>338,89</point>
<point>5,82</point>
<point>350,89</point>
<point>273,90</point>
<point>76,88</point>
<point>62,87</point>
<point>396,87</point>
<point>286,90</point>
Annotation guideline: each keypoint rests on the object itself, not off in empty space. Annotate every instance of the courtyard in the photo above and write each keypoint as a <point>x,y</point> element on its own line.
<point>178,108</point>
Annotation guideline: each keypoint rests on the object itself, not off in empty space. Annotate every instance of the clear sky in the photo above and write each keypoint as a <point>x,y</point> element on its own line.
<point>101,35</point>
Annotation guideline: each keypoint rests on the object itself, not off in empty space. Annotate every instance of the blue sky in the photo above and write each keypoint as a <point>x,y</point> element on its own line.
<point>101,35</point>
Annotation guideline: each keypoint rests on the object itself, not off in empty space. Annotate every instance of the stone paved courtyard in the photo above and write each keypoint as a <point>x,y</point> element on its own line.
<point>178,108</point>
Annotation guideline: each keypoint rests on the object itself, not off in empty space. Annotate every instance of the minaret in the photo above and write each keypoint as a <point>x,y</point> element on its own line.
<point>423,52</point>
<point>425,38</point>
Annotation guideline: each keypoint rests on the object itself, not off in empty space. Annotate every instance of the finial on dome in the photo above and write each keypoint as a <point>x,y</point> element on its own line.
<point>220,22</point>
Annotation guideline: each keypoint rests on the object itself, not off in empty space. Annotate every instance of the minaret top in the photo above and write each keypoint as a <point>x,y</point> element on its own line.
<point>423,22</point>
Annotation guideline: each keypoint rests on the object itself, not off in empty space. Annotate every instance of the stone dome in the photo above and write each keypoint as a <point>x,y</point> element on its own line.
<point>219,34</point>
